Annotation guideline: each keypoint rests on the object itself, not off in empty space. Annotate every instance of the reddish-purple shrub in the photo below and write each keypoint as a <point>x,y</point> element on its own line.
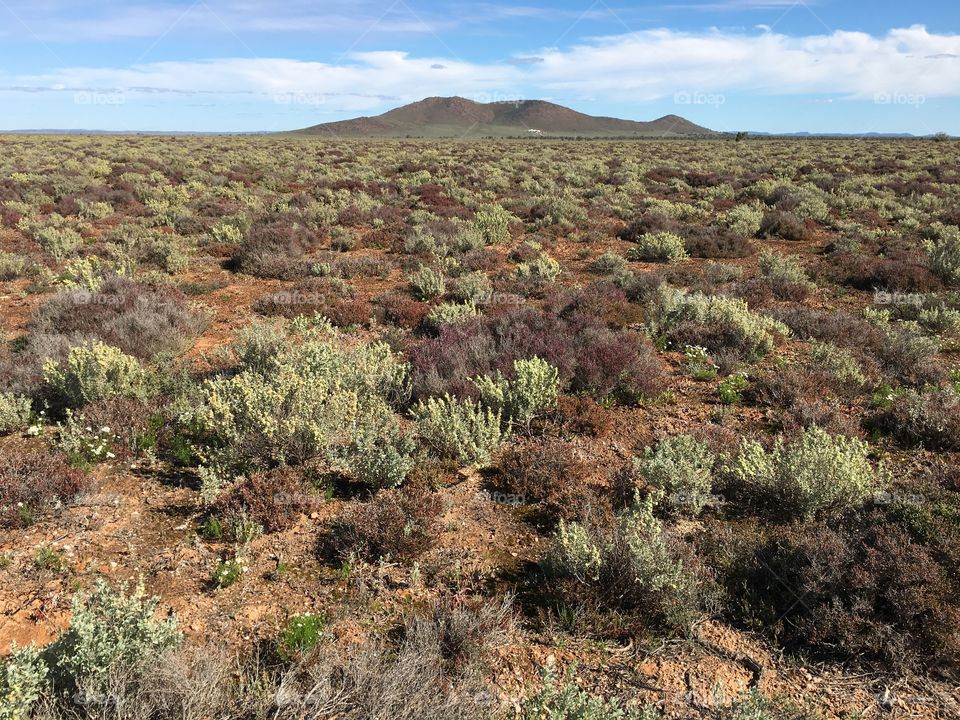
<point>274,499</point>
<point>274,249</point>
<point>546,472</point>
<point>399,523</point>
<point>32,482</point>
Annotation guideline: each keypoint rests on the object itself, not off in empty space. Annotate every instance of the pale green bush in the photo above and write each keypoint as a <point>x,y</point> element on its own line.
<point>109,629</point>
<point>681,468</point>
<point>779,268</point>
<point>94,371</point>
<point>493,223</point>
<point>658,247</point>
<point>816,473</point>
<point>14,412</point>
<point>472,288</point>
<point>450,314</point>
<point>319,401</point>
<point>427,283</point>
<point>95,210</point>
<point>543,269</point>
<point>944,252</point>
<point>750,334</point>
<point>59,242</point>
<point>532,390</point>
<point>630,565</point>
<point>459,429</point>
<point>838,363</point>
<point>744,219</point>
<point>380,456</point>
<point>12,266</point>
<point>23,676</point>
<point>561,699</point>
<point>86,273</point>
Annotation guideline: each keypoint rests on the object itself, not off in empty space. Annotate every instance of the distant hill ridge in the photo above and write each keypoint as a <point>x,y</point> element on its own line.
<point>460,117</point>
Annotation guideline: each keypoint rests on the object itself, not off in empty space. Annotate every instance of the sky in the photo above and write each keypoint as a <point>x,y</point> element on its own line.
<point>851,66</point>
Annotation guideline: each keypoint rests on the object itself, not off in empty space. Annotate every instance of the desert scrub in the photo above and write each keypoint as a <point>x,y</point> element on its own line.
<point>23,677</point>
<point>543,269</point>
<point>817,473</point>
<point>459,429</point>
<point>450,313</point>
<point>532,390</point>
<point>94,371</point>
<point>15,413</point>
<point>744,219</point>
<point>658,247</point>
<point>109,629</point>
<point>11,266</point>
<point>944,250</point>
<point>681,469</point>
<point>716,322</point>
<point>493,224</point>
<point>629,564</point>
<point>561,699</point>
<point>427,283</point>
<point>838,364</point>
<point>777,268</point>
<point>318,401</point>
<point>473,288</point>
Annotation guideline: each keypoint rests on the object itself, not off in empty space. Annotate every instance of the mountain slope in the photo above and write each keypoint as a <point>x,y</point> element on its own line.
<point>459,117</point>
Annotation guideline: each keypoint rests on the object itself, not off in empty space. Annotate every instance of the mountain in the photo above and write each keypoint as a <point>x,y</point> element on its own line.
<point>459,117</point>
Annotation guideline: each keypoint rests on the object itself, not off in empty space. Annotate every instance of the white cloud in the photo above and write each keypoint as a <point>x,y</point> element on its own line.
<point>637,67</point>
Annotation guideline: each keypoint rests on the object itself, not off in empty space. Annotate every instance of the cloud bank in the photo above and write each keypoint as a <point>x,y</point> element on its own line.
<point>635,67</point>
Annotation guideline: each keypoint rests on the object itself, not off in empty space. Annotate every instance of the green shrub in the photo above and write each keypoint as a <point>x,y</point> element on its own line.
<point>543,269</point>
<point>681,468</point>
<point>473,288</point>
<point>301,634</point>
<point>11,266</point>
<point>718,322</point>
<point>944,252</point>
<point>561,699</point>
<point>94,371</point>
<point>658,247</point>
<point>318,401</point>
<point>532,390</point>
<point>493,223</point>
<point>630,565</point>
<point>427,283</point>
<point>459,429</point>
<point>23,677</point>
<point>15,413</point>
<point>816,473</point>
<point>108,630</point>
<point>778,268</point>
<point>380,456</point>
<point>744,220</point>
<point>838,363</point>
<point>450,314</point>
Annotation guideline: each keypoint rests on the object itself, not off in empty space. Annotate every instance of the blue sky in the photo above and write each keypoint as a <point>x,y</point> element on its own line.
<point>247,65</point>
